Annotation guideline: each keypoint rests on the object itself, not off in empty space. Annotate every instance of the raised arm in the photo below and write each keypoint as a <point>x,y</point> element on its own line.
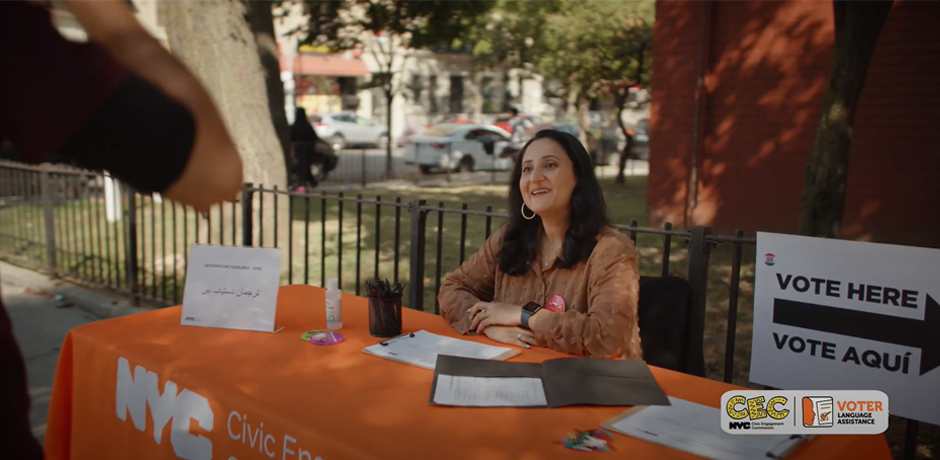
<point>474,281</point>
<point>609,328</point>
<point>213,172</point>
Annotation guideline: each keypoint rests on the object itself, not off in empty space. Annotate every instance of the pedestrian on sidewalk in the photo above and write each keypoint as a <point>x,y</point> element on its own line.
<point>132,108</point>
<point>303,139</point>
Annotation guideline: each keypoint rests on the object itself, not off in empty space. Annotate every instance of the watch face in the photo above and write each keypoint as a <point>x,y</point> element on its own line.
<point>531,307</point>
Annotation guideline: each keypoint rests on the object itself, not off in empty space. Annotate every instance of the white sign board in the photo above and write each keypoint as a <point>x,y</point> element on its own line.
<point>231,287</point>
<point>847,315</point>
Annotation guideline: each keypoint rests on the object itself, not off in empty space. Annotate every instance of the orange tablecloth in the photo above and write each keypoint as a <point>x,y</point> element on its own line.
<point>275,396</point>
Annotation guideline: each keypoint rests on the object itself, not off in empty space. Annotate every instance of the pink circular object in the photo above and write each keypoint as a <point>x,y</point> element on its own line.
<point>556,304</point>
<point>325,337</point>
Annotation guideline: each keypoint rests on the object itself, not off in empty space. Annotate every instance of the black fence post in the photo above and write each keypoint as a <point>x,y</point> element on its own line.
<point>130,256</point>
<point>699,253</point>
<point>48,217</point>
<point>910,439</point>
<point>362,173</point>
<point>247,214</point>
<point>733,291</point>
<point>419,218</point>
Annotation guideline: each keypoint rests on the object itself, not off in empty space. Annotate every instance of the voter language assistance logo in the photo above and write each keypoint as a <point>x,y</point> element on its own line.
<point>804,412</point>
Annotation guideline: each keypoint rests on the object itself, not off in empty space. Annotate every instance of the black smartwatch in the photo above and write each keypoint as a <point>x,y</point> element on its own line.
<point>527,311</point>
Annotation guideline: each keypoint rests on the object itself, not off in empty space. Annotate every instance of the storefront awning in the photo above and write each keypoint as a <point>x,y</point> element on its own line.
<point>331,66</point>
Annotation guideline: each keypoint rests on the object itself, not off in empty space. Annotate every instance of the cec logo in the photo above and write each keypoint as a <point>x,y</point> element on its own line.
<point>769,259</point>
<point>801,412</point>
<point>743,411</point>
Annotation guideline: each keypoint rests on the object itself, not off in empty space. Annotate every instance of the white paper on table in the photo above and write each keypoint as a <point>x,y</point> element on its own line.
<point>489,391</point>
<point>422,349</point>
<point>231,287</point>
<point>696,429</point>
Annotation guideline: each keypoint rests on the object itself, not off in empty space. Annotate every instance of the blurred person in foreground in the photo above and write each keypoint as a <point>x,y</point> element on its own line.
<point>558,275</point>
<point>120,102</point>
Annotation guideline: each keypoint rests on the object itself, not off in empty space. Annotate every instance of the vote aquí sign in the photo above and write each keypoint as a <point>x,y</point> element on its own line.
<point>847,315</point>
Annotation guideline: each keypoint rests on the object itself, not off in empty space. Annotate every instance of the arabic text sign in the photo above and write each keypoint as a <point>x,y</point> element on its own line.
<point>846,315</point>
<point>231,287</point>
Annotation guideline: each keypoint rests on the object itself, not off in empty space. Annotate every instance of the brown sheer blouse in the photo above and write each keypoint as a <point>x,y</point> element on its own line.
<point>600,293</point>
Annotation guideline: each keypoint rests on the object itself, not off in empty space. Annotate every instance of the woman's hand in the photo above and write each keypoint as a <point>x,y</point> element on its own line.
<point>486,314</point>
<point>512,335</point>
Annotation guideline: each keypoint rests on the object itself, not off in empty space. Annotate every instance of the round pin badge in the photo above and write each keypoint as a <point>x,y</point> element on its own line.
<point>323,337</point>
<point>556,304</point>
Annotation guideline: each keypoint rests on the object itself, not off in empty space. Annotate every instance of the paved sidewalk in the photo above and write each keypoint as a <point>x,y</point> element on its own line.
<point>41,320</point>
<point>40,324</point>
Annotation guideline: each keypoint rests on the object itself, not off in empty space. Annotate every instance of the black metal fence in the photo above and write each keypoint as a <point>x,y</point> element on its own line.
<point>91,229</point>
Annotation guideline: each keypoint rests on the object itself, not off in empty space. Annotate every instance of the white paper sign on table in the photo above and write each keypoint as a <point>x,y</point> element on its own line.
<point>231,287</point>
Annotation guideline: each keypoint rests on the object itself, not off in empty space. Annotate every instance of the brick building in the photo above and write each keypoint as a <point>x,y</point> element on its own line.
<point>745,142</point>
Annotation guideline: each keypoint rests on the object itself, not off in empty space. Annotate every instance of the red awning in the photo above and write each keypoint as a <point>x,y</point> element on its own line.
<point>332,66</point>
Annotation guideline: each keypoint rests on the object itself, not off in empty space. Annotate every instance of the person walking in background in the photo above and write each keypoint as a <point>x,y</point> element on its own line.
<point>520,128</point>
<point>303,139</point>
<point>132,108</point>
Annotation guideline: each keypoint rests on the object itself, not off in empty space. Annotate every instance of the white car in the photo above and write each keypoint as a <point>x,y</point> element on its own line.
<point>460,147</point>
<point>348,129</point>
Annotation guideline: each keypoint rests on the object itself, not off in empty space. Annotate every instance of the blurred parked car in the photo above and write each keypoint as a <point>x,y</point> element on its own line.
<point>612,141</point>
<point>458,121</point>
<point>608,146</point>
<point>460,147</point>
<point>343,130</point>
<point>569,128</point>
<point>503,121</point>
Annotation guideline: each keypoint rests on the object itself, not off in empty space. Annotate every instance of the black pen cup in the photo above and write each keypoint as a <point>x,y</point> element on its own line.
<point>385,316</point>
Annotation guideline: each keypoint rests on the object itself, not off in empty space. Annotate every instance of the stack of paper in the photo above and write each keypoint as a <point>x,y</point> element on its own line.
<point>696,429</point>
<point>422,348</point>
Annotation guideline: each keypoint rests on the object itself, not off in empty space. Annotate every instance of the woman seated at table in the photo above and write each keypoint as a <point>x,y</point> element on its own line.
<point>558,249</point>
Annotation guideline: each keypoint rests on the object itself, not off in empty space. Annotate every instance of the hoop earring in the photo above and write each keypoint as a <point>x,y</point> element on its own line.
<point>525,216</point>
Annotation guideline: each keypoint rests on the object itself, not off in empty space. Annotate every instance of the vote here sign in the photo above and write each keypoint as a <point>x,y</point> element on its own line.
<point>847,315</point>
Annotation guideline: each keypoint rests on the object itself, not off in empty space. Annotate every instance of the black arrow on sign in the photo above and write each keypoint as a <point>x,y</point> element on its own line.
<point>907,332</point>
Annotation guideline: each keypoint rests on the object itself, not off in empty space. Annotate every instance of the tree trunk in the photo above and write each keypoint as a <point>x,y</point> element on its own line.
<point>586,136</point>
<point>214,39</point>
<point>505,98</point>
<point>389,98</point>
<point>623,95</point>
<point>477,79</point>
<point>621,101</point>
<point>261,21</point>
<point>520,104</point>
<point>857,26</point>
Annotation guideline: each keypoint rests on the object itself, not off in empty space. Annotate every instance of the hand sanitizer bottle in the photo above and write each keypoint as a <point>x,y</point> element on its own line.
<point>334,306</point>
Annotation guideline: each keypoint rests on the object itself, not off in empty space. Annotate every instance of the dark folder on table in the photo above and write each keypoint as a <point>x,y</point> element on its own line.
<point>553,383</point>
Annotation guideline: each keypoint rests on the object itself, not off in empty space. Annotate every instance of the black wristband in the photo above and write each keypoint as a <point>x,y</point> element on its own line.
<point>528,311</point>
<point>524,320</point>
<point>141,136</point>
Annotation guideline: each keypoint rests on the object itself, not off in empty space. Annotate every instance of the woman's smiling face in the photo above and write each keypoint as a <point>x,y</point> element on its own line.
<point>548,178</point>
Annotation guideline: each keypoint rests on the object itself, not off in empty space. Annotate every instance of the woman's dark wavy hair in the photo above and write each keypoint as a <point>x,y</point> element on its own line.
<point>588,215</point>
